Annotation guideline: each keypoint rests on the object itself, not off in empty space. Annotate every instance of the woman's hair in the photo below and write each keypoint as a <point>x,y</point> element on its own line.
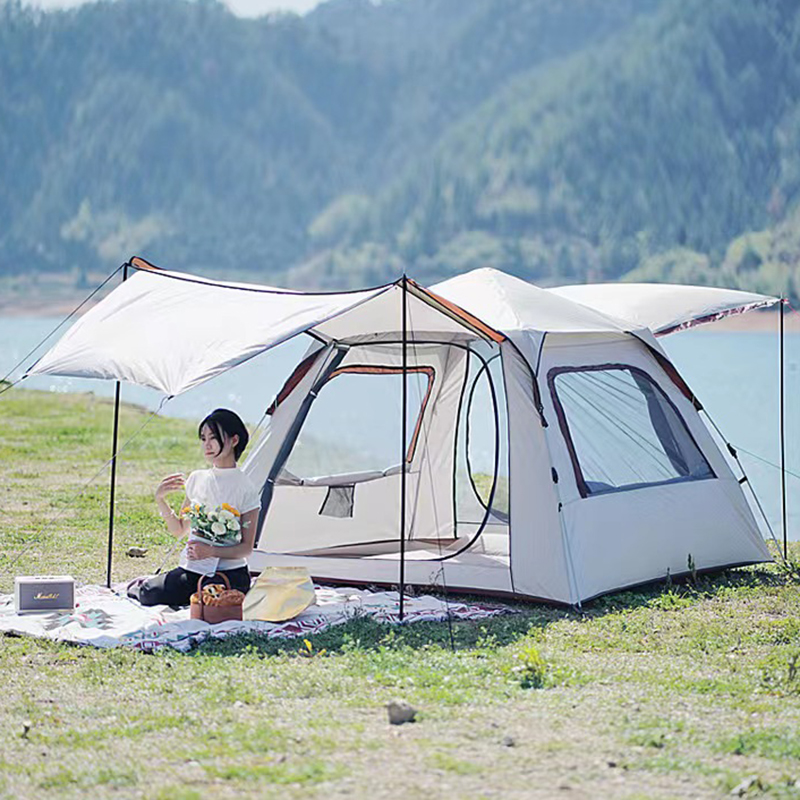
<point>223,422</point>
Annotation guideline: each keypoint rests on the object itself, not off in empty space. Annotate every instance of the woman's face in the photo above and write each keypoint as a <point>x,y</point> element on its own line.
<point>212,448</point>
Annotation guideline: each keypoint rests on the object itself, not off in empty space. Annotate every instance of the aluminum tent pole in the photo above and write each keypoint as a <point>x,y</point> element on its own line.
<point>112,488</point>
<point>783,439</point>
<point>403,464</point>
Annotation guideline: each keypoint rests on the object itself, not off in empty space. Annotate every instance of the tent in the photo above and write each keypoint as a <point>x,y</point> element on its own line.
<point>602,473</point>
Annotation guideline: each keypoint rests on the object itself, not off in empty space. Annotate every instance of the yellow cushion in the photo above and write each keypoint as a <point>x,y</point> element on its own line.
<point>279,593</point>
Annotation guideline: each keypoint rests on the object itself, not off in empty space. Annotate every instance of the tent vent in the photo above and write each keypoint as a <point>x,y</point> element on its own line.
<point>338,501</point>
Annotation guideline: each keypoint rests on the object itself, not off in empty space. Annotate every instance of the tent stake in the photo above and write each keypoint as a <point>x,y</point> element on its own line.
<point>112,488</point>
<point>403,455</point>
<point>783,441</point>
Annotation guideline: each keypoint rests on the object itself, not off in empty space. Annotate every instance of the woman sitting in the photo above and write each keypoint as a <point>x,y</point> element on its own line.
<point>222,493</point>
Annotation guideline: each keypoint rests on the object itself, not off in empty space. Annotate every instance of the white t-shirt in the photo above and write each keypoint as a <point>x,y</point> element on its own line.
<point>213,487</point>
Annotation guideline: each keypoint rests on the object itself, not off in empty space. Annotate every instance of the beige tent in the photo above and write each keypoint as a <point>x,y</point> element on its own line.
<point>602,474</point>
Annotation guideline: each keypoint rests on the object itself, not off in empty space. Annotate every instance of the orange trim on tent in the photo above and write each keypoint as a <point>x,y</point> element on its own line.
<point>462,316</point>
<point>300,371</point>
<point>140,263</point>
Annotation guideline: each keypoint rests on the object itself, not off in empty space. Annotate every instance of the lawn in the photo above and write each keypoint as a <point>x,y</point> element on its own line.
<point>686,690</point>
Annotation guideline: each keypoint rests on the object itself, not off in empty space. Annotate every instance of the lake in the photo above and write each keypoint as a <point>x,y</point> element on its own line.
<point>734,374</point>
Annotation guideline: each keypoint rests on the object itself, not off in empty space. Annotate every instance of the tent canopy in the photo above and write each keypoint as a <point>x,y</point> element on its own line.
<point>664,308</point>
<point>173,331</point>
<point>511,304</point>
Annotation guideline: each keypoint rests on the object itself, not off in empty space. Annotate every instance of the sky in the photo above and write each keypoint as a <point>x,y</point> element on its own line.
<point>243,8</point>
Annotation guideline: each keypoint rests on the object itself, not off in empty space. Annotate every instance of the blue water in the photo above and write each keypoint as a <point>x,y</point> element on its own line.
<point>734,374</point>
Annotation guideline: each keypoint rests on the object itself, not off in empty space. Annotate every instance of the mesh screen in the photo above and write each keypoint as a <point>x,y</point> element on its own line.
<point>481,430</point>
<point>624,431</point>
<point>338,502</point>
<point>355,424</point>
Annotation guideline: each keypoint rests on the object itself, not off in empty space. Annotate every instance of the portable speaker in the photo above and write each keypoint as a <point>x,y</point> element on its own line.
<point>34,593</point>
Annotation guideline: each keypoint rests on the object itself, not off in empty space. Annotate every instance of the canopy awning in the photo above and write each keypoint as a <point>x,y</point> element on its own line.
<point>661,307</point>
<point>172,331</point>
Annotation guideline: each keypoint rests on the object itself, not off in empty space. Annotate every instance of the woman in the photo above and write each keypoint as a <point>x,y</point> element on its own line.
<point>224,438</point>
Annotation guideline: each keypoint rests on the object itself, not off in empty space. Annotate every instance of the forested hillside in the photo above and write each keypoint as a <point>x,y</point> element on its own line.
<point>587,139</point>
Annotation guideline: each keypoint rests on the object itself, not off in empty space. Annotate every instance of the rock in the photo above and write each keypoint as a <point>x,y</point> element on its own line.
<point>26,729</point>
<point>400,712</point>
<point>136,552</point>
<point>744,787</point>
<point>508,741</point>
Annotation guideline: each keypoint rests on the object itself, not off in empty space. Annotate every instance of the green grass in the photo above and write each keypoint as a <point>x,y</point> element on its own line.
<point>668,691</point>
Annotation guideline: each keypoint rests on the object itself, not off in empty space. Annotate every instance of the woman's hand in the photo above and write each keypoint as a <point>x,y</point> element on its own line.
<point>172,483</point>
<point>198,550</point>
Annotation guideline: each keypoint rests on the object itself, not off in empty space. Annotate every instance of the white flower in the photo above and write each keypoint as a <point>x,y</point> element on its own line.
<point>233,524</point>
<point>217,528</point>
<point>226,515</point>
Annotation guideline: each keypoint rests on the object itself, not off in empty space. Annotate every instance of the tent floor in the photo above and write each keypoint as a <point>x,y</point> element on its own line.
<point>493,545</point>
<point>477,568</point>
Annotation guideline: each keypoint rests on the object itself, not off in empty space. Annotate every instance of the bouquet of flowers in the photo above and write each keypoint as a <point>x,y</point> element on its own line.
<point>221,526</point>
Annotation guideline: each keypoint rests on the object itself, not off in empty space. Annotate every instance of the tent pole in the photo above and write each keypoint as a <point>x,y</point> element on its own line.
<point>783,440</point>
<point>403,465</point>
<point>112,488</point>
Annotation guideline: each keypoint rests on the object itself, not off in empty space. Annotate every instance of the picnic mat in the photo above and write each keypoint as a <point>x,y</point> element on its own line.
<point>107,618</point>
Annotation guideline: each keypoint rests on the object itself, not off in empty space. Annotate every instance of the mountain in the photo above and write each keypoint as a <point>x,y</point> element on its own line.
<point>677,136</point>
<point>559,141</point>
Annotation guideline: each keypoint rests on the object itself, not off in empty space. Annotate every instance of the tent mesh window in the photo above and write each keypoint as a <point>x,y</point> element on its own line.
<point>482,432</point>
<point>338,501</point>
<point>355,423</point>
<point>622,430</point>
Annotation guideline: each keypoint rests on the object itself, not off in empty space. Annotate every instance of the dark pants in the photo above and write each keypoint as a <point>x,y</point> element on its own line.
<point>175,588</point>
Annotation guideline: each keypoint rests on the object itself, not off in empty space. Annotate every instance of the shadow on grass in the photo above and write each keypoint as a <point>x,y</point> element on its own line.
<point>524,618</point>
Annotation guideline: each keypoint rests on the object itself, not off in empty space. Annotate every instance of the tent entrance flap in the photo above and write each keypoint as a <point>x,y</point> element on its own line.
<point>337,490</point>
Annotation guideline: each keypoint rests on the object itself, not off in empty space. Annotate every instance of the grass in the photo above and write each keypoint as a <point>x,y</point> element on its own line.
<point>682,690</point>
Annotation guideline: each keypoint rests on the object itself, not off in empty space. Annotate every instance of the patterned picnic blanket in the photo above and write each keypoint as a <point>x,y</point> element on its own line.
<point>107,618</point>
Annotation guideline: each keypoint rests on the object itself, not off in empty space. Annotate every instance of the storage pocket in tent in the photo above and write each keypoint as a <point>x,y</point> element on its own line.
<point>338,501</point>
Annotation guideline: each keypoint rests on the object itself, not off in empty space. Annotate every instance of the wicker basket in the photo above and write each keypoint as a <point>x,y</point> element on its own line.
<point>220,606</point>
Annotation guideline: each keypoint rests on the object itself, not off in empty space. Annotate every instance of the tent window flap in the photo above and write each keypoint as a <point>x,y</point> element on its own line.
<point>622,431</point>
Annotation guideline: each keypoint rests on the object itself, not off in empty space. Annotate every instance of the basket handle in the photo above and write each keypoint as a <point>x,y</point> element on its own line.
<point>200,584</point>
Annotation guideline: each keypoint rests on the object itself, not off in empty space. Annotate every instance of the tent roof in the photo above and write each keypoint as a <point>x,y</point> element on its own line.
<point>172,331</point>
<point>426,314</point>
<point>663,308</point>
<point>511,304</point>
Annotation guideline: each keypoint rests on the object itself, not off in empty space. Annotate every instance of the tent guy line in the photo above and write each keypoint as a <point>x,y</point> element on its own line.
<point>52,332</point>
<point>85,485</point>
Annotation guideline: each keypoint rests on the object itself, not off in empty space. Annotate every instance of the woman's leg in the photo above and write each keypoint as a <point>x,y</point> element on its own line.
<point>173,588</point>
<point>239,578</point>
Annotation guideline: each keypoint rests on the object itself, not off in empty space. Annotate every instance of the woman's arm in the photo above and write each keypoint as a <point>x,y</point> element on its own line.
<point>177,526</point>
<point>198,550</point>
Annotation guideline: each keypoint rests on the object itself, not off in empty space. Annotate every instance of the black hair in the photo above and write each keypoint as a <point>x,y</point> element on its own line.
<point>224,422</point>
